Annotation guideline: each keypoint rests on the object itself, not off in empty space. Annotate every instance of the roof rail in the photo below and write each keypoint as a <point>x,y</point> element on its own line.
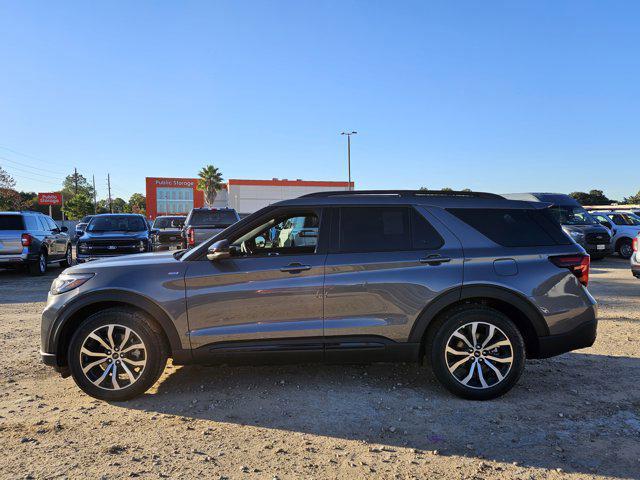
<point>404,193</point>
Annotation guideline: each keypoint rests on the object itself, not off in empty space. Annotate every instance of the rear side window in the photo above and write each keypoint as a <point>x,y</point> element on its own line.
<point>11,222</point>
<point>514,227</point>
<point>379,229</point>
<point>31,223</point>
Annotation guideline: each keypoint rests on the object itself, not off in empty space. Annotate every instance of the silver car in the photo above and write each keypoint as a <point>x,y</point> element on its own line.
<point>471,283</point>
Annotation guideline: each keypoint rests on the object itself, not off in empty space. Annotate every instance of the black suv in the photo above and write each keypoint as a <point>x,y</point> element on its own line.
<point>114,234</point>
<point>32,239</point>
<point>471,283</point>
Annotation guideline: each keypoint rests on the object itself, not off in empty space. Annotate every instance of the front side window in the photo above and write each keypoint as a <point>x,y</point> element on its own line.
<point>294,233</point>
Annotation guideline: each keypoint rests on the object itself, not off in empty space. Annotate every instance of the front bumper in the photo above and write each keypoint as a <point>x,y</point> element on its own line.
<point>582,336</point>
<point>593,251</point>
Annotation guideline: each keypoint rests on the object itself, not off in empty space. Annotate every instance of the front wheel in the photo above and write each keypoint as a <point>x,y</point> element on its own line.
<point>116,355</point>
<point>477,352</point>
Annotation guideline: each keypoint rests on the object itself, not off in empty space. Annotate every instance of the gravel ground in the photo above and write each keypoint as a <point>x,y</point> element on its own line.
<point>574,416</point>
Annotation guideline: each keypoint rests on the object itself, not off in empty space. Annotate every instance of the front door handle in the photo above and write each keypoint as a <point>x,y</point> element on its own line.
<point>434,259</point>
<point>295,267</point>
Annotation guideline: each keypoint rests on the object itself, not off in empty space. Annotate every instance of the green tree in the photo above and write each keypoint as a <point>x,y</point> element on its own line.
<point>593,197</point>
<point>210,182</point>
<point>118,205</point>
<point>78,206</point>
<point>633,199</point>
<point>138,203</point>
<point>9,198</point>
<point>76,183</point>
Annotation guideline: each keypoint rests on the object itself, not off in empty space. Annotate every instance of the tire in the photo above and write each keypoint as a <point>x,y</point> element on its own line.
<point>625,248</point>
<point>39,267</point>
<point>136,371</point>
<point>68,258</point>
<point>464,380</point>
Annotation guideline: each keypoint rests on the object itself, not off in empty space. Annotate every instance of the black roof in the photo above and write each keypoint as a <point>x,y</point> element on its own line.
<point>443,199</point>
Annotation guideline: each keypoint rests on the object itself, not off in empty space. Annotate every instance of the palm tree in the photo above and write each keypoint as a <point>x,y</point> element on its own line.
<point>210,182</point>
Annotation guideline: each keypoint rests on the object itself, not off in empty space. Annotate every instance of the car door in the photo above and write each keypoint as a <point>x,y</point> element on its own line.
<point>265,298</point>
<point>385,265</point>
<point>59,238</point>
<point>47,237</point>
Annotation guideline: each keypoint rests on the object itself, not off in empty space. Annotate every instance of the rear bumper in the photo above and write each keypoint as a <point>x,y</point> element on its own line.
<point>16,258</point>
<point>582,336</point>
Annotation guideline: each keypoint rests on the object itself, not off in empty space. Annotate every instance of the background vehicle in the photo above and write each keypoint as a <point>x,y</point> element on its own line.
<point>32,239</point>
<point>575,220</point>
<point>168,233</point>
<point>635,257</point>
<point>203,223</point>
<point>82,225</point>
<point>471,282</point>
<point>625,226</point>
<point>114,234</point>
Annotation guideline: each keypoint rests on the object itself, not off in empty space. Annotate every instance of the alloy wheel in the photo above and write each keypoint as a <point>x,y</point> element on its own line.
<point>113,357</point>
<point>69,256</point>
<point>479,355</point>
<point>42,263</point>
<point>626,250</point>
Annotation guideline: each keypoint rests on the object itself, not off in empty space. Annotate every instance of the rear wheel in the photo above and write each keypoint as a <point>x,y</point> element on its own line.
<point>68,256</point>
<point>625,248</point>
<point>116,355</point>
<point>39,267</point>
<point>477,352</point>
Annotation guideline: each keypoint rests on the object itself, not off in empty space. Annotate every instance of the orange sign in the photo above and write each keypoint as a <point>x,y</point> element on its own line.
<point>52,198</point>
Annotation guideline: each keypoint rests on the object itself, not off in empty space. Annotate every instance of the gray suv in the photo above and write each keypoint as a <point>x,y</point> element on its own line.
<point>471,283</point>
<point>32,239</point>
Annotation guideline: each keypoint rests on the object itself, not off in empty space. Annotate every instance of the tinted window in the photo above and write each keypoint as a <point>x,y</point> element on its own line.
<point>11,222</point>
<point>425,237</point>
<point>513,227</point>
<point>50,223</point>
<point>120,223</point>
<point>374,229</point>
<point>568,215</point>
<point>169,222</point>
<point>31,223</point>
<point>42,222</point>
<point>213,218</point>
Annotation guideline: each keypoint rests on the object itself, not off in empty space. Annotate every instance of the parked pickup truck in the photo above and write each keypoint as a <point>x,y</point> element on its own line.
<point>167,233</point>
<point>203,223</point>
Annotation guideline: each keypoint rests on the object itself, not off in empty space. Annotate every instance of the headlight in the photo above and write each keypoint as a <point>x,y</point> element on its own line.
<point>82,247</point>
<point>69,281</point>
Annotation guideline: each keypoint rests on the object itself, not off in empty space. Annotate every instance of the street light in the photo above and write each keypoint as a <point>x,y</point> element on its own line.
<point>348,134</point>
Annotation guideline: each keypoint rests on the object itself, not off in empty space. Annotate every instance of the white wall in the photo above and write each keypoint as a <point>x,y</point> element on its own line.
<point>249,198</point>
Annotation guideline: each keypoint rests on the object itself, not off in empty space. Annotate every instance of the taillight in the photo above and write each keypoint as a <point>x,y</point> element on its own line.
<point>578,264</point>
<point>26,239</point>
<point>191,237</point>
<point>635,244</point>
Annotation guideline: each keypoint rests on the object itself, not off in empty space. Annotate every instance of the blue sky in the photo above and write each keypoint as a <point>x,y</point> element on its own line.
<point>496,96</point>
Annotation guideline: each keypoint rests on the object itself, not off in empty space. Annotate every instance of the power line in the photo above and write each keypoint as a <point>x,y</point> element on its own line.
<point>31,156</point>
<point>28,171</point>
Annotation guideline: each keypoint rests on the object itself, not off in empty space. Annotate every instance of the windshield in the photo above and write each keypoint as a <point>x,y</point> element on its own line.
<point>11,222</point>
<point>567,215</point>
<point>213,218</point>
<point>117,223</point>
<point>168,222</point>
<point>86,219</point>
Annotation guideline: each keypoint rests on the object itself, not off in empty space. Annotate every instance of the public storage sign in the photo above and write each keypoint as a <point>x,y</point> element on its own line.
<point>52,198</point>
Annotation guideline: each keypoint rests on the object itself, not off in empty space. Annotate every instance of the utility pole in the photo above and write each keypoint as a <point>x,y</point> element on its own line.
<point>95,203</point>
<point>348,134</point>
<point>75,180</point>
<point>109,188</point>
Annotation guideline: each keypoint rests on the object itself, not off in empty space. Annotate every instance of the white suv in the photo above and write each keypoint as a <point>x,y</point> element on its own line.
<point>624,227</point>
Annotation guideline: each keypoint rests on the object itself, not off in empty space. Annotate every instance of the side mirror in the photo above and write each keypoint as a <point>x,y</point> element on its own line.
<point>218,250</point>
<point>64,229</point>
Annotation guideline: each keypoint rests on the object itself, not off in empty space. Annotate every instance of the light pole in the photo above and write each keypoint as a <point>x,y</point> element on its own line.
<point>348,134</point>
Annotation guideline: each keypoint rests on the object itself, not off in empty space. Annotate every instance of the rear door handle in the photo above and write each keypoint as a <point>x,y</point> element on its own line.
<point>434,260</point>
<point>295,268</point>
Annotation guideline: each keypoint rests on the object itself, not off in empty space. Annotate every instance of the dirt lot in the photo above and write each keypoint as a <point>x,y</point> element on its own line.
<point>575,416</point>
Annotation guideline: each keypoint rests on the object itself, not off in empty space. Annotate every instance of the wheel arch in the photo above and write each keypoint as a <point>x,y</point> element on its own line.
<point>518,308</point>
<point>77,311</point>
<point>620,241</point>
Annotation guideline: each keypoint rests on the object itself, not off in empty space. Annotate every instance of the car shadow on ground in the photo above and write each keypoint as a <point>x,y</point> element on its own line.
<point>561,411</point>
<point>18,286</point>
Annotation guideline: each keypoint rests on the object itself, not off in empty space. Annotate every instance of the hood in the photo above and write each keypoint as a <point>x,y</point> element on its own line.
<point>115,235</point>
<point>123,261</point>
